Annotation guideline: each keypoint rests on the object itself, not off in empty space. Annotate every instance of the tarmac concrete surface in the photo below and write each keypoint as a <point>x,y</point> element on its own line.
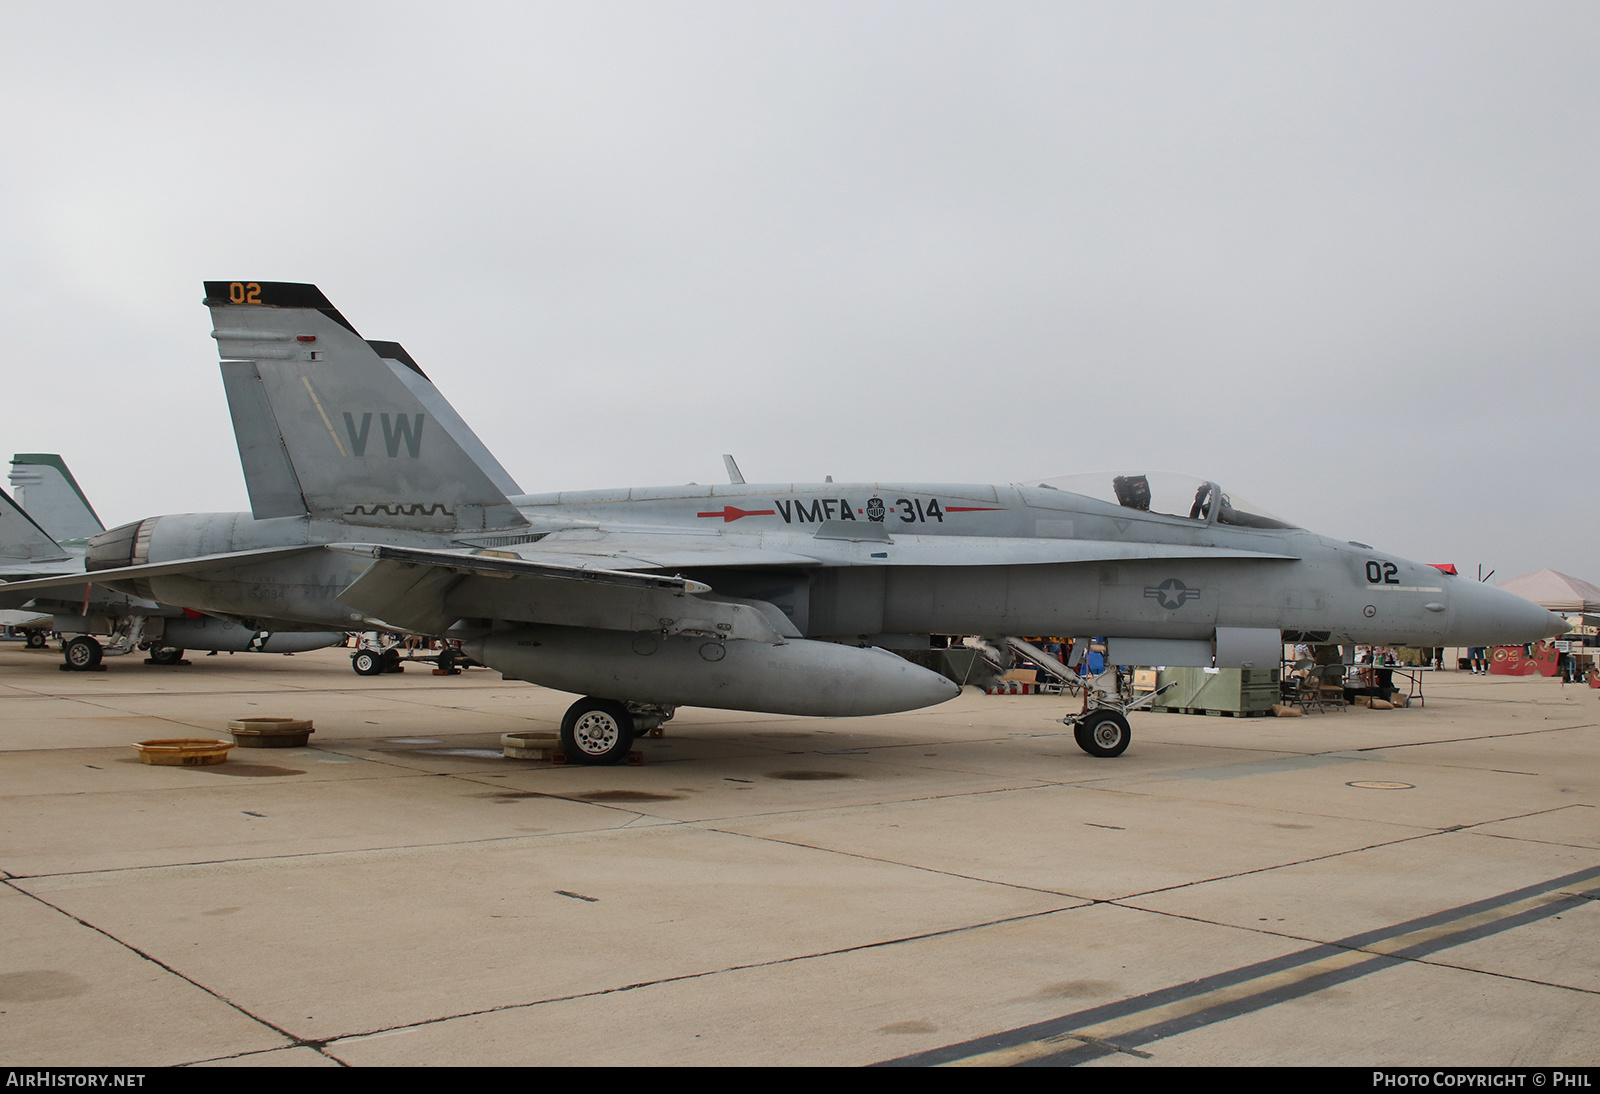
<point>958,885</point>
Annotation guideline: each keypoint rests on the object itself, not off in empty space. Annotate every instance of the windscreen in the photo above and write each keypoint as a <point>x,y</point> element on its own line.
<point>1172,493</point>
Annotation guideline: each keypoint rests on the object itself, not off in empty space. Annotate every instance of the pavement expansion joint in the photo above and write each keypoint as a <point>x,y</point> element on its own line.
<point>380,851</point>
<point>1479,737</point>
<point>156,961</point>
<point>297,1042</point>
<point>701,975</point>
<point>801,811</point>
<point>1518,816</point>
<point>1081,901</point>
<point>1276,866</point>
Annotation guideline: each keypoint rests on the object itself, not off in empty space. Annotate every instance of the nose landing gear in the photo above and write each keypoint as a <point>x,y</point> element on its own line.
<point>1101,728</point>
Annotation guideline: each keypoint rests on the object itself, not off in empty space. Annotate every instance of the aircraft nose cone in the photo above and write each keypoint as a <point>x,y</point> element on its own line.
<point>1558,626</point>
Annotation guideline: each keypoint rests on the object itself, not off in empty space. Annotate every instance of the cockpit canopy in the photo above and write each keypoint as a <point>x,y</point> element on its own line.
<point>1171,493</point>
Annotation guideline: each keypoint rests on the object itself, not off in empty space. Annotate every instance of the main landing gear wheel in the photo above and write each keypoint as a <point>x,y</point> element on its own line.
<point>36,640</point>
<point>1103,733</point>
<point>366,663</point>
<point>82,653</point>
<point>596,732</point>
<point>166,655</point>
<point>391,661</point>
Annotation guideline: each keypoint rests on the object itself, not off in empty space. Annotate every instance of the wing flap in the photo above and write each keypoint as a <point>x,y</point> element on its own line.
<point>428,591</point>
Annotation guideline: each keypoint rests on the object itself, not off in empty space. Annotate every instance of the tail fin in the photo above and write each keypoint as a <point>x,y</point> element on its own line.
<point>21,539</point>
<point>52,496</point>
<point>334,426</point>
<point>410,373</point>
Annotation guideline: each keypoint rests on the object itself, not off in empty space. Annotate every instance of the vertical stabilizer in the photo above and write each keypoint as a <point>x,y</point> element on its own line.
<point>356,442</point>
<point>410,373</point>
<point>52,497</point>
<point>268,474</point>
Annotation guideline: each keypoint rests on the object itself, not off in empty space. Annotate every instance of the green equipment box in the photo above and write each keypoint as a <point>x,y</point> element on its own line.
<point>1238,692</point>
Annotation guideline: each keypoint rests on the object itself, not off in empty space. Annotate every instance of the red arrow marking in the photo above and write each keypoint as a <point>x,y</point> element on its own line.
<point>731,513</point>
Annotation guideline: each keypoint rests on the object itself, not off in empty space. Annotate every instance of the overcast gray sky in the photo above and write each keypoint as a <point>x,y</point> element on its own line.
<point>1340,257</point>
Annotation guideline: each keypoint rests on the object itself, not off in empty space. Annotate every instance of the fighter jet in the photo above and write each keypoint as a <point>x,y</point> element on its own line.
<point>371,507</point>
<point>53,544</point>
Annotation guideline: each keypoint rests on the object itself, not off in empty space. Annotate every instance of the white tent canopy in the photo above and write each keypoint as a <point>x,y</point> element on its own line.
<point>1555,592</point>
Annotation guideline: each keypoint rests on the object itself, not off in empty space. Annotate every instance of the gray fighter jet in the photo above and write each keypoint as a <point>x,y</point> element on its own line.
<point>374,506</point>
<point>49,537</point>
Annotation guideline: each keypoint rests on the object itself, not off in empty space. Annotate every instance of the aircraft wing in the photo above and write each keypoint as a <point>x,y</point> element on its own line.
<point>628,550</point>
<point>16,571</point>
<point>428,591</point>
<point>199,564</point>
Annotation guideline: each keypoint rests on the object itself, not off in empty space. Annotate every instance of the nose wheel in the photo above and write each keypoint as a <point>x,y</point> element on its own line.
<point>1103,733</point>
<point>1102,728</point>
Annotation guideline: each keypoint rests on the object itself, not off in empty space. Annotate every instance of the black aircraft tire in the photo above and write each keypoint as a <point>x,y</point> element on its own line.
<point>82,653</point>
<point>166,655</point>
<point>366,663</point>
<point>1104,733</point>
<point>596,733</point>
<point>391,661</point>
<point>36,640</point>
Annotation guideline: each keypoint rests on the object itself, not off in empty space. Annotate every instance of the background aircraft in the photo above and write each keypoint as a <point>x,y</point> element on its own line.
<point>35,545</point>
<point>371,509</point>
